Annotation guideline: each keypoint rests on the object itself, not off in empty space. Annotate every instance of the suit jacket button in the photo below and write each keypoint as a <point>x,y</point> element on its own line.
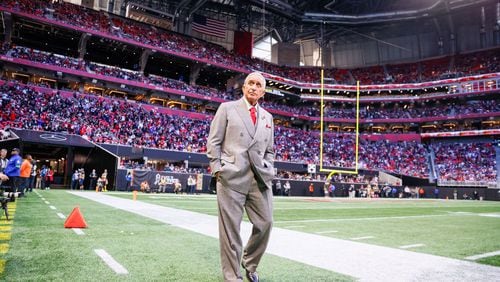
<point>265,140</point>
<point>241,134</point>
<point>258,152</point>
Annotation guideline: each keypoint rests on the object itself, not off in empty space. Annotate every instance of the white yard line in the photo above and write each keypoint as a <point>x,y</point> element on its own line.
<point>52,207</point>
<point>61,215</point>
<point>411,246</point>
<point>362,238</point>
<point>321,251</point>
<point>47,202</point>
<point>111,262</point>
<point>78,231</point>
<point>326,232</point>
<point>476,257</point>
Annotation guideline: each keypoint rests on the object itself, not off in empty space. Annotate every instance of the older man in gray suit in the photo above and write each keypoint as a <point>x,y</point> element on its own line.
<point>240,149</point>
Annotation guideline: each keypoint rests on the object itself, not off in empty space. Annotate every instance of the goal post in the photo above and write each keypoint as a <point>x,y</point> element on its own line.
<point>322,133</point>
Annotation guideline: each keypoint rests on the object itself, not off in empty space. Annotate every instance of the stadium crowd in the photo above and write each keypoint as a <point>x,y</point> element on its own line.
<point>115,121</point>
<point>450,108</point>
<point>465,162</point>
<point>78,16</point>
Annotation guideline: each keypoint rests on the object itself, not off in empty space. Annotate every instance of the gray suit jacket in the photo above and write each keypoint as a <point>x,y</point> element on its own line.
<point>240,150</point>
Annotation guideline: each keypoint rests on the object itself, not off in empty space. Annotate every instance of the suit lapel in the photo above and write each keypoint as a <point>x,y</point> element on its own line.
<point>245,117</point>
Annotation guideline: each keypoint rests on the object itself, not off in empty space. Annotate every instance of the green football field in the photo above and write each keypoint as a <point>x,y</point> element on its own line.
<point>34,246</point>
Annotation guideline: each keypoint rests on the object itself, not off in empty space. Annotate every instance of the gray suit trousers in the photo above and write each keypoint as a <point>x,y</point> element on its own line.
<point>259,207</point>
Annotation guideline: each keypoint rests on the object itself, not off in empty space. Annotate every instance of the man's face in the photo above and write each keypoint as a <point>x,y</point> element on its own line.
<point>3,153</point>
<point>253,89</point>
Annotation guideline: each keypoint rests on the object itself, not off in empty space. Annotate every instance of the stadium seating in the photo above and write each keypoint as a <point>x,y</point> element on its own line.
<point>78,16</point>
<point>466,162</point>
<point>450,108</point>
<point>117,121</point>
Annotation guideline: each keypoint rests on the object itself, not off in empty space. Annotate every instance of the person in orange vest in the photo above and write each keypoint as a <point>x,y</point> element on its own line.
<point>25,174</point>
<point>421,192</point>
<point>311,189</point>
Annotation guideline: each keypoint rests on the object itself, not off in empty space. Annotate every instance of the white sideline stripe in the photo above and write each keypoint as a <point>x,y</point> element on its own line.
<point>319,251</point>
<point>411,246</point>
<point>52,207</point>
<point>78,231</point>
<point>293,226</point>
<point>362,238</point>
<point>476,257</point>
<point>359,218</point>
<point>326,232</point>
<point>47,202</point>
<point>61,215</point>
<point>111,262</point>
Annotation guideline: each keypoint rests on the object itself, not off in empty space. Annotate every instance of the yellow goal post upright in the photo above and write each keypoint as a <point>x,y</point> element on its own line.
<point>322,128</point>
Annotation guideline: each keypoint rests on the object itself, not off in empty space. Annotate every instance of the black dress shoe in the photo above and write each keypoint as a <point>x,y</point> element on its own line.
<point>252,276</point>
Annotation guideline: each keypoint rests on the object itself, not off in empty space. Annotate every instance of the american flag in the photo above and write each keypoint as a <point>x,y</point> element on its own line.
<point>209,26</point>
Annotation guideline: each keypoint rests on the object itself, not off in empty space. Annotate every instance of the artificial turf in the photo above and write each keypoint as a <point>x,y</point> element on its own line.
<point>41,249</point>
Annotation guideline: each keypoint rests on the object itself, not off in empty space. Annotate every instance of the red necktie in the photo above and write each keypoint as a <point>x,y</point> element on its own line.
<point>253,115</point>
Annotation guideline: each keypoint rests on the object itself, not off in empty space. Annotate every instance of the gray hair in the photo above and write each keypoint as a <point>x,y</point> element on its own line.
<point>259,76</point>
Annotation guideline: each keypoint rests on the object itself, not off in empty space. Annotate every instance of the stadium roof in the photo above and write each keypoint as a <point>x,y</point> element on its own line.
<point>303,19</point>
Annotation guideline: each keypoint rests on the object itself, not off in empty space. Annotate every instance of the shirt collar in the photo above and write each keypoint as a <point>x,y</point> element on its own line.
<point>249,105</point>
